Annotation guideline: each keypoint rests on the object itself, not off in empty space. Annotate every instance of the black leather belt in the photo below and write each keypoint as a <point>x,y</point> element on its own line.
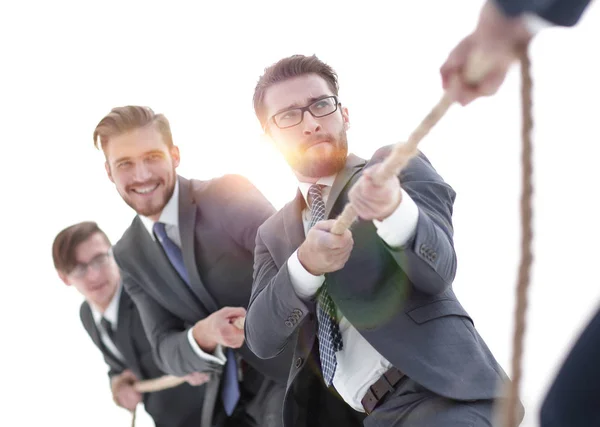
<point>381,388</point>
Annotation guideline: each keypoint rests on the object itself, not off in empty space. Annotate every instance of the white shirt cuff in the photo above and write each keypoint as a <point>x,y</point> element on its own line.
<point>400,226</point>
<point>217,357</point>
<point>305,284</point>
<point>534,23</point>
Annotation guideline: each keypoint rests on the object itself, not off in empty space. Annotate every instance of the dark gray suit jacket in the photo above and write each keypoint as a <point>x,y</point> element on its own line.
<point>560,12</point>
<point>401,300</point>
<point>218,220</point>
<point>180,406</point>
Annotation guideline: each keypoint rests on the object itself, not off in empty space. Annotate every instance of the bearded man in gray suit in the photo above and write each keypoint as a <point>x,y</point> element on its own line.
<point>371,313</point>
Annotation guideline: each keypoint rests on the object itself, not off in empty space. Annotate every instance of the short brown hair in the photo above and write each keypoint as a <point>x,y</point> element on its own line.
<point>287,68</point>
<point>124,119</point>
<point>65,243</point>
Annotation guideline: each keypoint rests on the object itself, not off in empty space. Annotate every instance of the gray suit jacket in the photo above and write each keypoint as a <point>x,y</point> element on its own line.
<point>400,300</point>
<point>218,220</point>
<point>180,406</point>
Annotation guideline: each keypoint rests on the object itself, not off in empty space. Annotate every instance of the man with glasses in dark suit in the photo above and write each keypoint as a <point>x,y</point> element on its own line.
<point>83,259</point>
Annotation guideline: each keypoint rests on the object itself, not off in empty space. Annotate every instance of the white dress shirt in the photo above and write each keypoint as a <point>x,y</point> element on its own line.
<point>112,315</point>
<point>358,364</point>
<point>170,217</point>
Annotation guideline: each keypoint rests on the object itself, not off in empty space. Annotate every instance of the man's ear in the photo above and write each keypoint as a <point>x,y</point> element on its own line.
<point>346,118</point>
<point>64,278</point>
<point>174,150</point>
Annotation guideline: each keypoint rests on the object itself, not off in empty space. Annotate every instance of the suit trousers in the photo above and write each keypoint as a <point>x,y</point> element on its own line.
<point>411,405</point>
<point>573,400</point>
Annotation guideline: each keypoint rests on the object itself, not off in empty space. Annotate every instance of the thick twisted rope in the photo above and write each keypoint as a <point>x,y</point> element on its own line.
<point>510,411</point>
<point>155,384</point>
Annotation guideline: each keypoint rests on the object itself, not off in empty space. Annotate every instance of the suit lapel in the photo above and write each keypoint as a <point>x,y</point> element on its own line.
<point>353,165</point>
<point>124,333</point>
<point>187,221</point>
<point>292,212</point>
<point>292,221</point>
<point>167,279</point>
<point>93,329</point>
<point>95,334</point>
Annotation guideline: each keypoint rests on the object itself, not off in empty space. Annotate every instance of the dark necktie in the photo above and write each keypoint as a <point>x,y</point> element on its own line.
<point>172,251</point>
<point>230,390</point>
<point>107,326</point>
<point>330,337</point>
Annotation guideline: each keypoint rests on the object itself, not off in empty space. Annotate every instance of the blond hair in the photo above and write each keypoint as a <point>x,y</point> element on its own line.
<point>121,120</point>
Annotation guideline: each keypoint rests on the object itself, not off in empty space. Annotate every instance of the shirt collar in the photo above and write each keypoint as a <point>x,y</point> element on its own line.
<point>169,214</point>
<point>112,311</point>
<point>327,181</point>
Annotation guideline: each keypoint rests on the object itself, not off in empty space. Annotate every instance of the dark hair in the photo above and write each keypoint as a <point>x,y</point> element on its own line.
<point>65,243</point>
<point>124,119</point>
<point>287,68</point>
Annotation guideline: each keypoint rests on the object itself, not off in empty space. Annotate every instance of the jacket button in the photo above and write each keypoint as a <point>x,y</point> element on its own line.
<point>288,323</point>
<point>298,362</point>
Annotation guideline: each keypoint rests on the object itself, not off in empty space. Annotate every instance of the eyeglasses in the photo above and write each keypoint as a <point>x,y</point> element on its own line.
<point>95,263</point>
<point>294,116</point>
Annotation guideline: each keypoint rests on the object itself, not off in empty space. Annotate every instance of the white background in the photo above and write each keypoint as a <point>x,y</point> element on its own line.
<point>65,64</point>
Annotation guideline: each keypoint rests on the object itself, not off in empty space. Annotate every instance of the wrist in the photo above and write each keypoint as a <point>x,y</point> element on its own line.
<point>203,338</point>
<point>495,26</point>
<point>523,34</point>
<point>302,257</point>
<point>392,208</point>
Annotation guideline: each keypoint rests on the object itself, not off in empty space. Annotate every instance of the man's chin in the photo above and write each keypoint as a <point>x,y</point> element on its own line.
<point>320,169</point>
<point>150,213</point>
<point>145,210</point>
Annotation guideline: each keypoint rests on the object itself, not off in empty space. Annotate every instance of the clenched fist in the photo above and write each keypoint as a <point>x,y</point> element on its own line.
<point>324,252</point>
<point>219,328</point>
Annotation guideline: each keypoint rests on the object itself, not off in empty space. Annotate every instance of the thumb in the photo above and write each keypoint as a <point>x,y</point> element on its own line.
<point>455,61</point>
<point>127,374</point>
<point>231,312</point>
<point>324,225</point>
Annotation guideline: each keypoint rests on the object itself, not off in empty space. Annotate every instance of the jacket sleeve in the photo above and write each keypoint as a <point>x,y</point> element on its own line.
<point>275,311</point>
<point>167,334</point>
<point>428,258</point>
